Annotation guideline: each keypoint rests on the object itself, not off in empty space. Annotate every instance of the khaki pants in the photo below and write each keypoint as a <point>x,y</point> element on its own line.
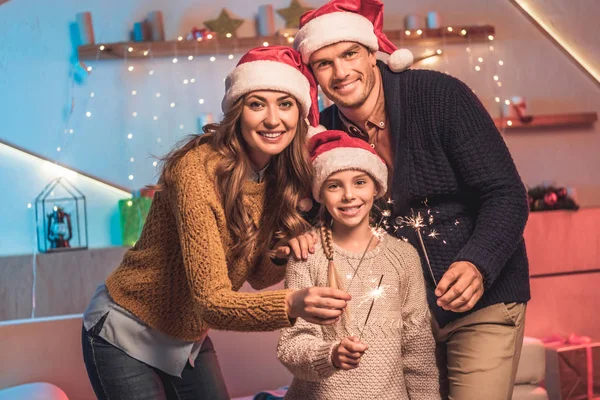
<point>479,353</point>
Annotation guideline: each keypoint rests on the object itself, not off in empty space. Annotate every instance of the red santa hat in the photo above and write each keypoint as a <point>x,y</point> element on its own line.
<point>358,21</point>
<point>333,151</point>
<point>277,68</point>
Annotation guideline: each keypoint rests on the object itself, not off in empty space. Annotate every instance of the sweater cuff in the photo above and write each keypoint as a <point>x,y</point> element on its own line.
<point>323,363</point>
<point>275,309</point>
<point>483,261</point>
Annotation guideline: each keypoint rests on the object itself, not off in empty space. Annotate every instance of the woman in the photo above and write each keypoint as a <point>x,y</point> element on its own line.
<point>145,331</point>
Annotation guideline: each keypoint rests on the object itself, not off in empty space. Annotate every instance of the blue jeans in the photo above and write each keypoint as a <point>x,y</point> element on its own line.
<point>115,375</point>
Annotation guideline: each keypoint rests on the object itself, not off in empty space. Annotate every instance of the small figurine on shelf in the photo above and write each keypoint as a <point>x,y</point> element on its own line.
<point>199,33</point>
<point>516,109</point>
<point>544,198</point>
<point>60,230</point>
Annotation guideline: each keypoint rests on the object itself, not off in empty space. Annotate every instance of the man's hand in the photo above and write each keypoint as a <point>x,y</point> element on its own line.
<point>347,354</point>
<point>300,246</point>
<point>460,288</point>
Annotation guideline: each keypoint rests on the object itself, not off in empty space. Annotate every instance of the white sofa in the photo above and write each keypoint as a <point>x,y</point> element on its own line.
<point>531,371</point>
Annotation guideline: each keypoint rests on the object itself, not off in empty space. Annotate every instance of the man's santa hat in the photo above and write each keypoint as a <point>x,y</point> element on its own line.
<point>278,68</point>
<point>358,21</point>
<point>333,151</point>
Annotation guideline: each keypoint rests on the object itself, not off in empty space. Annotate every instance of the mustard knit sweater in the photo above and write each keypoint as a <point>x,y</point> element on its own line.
<point>177,278</point>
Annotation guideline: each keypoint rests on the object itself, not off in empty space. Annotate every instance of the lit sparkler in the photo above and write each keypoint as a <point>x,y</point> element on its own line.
<point>417,223</point>
<point>378,292</point>
<point>375,294</point>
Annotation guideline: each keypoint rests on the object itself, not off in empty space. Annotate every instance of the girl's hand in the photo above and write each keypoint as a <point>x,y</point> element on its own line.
<point>346,355</point>
<point>300,246</point>
<point>318,305</point>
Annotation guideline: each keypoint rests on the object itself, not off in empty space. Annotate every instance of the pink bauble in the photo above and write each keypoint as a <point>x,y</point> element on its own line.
<point>550,199</point>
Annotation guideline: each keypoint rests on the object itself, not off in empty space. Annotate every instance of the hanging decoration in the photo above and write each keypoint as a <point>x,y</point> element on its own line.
<point>224,25</point>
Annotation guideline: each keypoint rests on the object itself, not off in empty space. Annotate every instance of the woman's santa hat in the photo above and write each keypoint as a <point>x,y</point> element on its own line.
<point>278,68</point>
<point>358,21</point>
<point>333,151</point>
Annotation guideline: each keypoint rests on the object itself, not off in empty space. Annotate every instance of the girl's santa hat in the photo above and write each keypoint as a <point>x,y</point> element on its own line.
<point>358,21</point>
<point>333,151</point>
<point>278,68</point>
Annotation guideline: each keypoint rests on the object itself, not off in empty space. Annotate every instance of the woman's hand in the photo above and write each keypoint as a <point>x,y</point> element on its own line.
<point>300,246</point>
<point>318,305</point>
<point>346,355</point>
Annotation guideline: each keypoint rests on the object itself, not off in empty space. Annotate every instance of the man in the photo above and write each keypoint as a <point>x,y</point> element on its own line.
<point>446,159</point>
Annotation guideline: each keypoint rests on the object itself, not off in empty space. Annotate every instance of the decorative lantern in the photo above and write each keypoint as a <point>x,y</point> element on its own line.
<point>61,218</point>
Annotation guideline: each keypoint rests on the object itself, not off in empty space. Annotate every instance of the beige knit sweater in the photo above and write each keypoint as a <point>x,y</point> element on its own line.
<point>400,362</point>
<point>177,278</point>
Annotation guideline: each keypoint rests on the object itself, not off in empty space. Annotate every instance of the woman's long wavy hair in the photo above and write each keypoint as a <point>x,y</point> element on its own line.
<point>287,178</point>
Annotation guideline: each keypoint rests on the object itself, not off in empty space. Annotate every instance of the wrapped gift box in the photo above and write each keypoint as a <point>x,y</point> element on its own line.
<point>133,216</point>
<point>573,372</point>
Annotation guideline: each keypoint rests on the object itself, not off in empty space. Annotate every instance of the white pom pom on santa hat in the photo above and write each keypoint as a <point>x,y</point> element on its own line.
<point>400,60</point>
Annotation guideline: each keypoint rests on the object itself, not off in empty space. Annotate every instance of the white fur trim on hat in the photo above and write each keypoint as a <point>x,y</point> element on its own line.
<point>344,158</point>
<point>313,130</point>
<point>266,75</point>
<point>334,28</point>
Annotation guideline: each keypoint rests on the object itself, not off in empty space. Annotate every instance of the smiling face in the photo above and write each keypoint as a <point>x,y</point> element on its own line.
<point>346,72</point>
<point>268,124</point>
<point>348,196</point>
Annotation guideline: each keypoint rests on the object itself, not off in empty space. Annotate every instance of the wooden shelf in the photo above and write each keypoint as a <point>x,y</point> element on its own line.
<point>215,46</point>
<point>548,121</point>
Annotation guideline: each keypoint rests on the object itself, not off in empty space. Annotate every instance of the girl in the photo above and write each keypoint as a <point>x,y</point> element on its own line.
<point>383,348</point>
<point>145,331</point>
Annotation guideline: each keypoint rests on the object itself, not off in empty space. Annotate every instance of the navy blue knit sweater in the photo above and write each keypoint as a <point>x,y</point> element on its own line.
<point>449,154</point>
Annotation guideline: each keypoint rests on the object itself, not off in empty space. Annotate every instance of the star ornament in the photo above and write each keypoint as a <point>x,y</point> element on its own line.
<point>224,24</point>
<point>293,13</point>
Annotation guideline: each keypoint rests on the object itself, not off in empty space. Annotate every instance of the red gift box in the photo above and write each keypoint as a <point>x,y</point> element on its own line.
<point>573,372</point>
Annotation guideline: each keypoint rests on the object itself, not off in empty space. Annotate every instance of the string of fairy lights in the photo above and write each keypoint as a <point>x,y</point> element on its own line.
<point>184,79</point>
